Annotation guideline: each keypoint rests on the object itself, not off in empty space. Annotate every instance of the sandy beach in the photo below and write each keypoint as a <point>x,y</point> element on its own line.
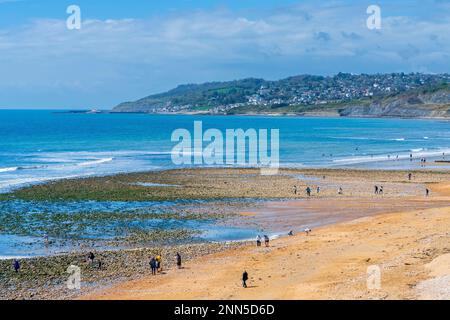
<point>409,245</point>
<point>402,233</point>
<point>411,249</point>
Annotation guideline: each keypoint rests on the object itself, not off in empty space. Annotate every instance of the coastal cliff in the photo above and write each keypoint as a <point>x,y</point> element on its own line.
<point>414,105</point>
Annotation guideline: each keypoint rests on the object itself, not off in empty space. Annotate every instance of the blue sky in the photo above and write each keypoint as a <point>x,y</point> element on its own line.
<point>126,50</point>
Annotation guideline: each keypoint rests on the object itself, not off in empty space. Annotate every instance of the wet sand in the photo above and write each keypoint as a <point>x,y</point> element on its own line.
<point>402,231</point>
<point>280,217</point>
<point>409,243</point>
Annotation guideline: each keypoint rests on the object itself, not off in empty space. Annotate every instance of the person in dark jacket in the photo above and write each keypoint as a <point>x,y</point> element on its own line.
<point>258,240</point>
<point>178,260</point>
<point>266,240</point>
<point>91,257</point>
<point>153,265</point>
<point>16,265</point>
<point>308,191</point>
<point>244,279</point>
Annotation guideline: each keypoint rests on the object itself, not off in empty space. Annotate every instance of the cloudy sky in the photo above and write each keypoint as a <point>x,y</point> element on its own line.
<point>129,49</point>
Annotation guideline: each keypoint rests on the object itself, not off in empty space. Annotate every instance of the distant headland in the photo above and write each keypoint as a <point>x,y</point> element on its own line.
<point>413,95</point>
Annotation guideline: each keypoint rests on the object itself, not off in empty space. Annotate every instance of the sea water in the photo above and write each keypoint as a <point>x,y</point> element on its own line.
<point>38,146</point>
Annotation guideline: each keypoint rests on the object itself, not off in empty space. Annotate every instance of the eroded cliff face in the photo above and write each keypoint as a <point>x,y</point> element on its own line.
<point>424,105</point>
<point>427,103</point>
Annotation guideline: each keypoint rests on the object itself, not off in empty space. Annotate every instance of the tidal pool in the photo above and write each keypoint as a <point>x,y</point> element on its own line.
<point>35,228</point>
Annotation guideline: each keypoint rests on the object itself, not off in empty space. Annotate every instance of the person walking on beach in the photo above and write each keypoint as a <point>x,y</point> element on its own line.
<point>91,257</point>
<point>376,189</point>
<point>427,192</point>
<point>258,241</point>
<point>158,263</point>
<point>423,162</point>
<point>409,176</point>
<point>244,279</point>
<point>308,191</point>
<point>178,260</point>
<point>318,190</point>
<point>16,265</point>
<point>340,191</point>
<point>153,266</point>
<point>295,190</point>
<point>266,240</point>
<point>381,190</point>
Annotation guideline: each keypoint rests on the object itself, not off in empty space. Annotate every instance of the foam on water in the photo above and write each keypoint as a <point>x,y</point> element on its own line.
<point>416,153</point>
<point>41,146</point>
<point>94,162</point>
<point>9,169</point>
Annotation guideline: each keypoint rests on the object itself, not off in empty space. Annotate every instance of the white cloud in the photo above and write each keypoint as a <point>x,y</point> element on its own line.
<point>138,55</point>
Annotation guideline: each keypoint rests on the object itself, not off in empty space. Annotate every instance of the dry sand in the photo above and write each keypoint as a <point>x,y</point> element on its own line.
<point>410,247</point>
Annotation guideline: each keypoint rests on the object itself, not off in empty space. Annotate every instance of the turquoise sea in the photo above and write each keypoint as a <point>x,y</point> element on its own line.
<point>38,146</point>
